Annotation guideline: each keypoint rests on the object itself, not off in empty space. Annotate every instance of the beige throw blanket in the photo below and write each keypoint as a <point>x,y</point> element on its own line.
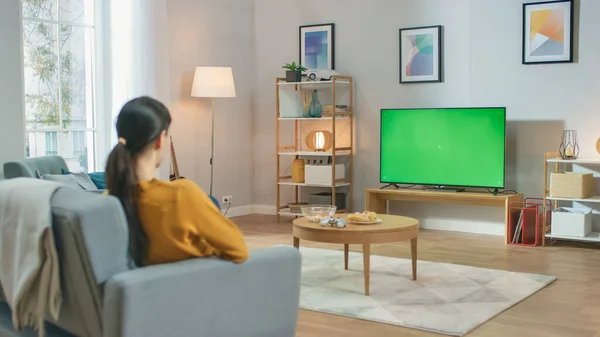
<point>29,271</point>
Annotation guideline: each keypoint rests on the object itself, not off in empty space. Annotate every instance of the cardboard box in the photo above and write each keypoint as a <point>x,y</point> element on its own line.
<point>568,221</point>
<point>571,185</point>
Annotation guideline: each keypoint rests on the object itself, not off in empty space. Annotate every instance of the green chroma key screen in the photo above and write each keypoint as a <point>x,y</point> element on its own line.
<point>443,147</point>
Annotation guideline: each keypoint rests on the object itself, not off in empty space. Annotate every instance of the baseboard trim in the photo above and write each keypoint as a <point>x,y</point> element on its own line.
<point>232,212</point>
<point>250,209</point>
<point>433,224</point>
<point>471,227</point>
<point>264,209</point>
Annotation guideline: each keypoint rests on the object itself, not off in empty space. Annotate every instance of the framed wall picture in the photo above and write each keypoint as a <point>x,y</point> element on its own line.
<point>421,54</point>
<point>548,32</point>
<point>317,46</point>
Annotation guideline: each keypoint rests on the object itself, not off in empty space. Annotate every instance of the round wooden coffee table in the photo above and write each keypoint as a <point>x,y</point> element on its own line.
<point>393,229</point>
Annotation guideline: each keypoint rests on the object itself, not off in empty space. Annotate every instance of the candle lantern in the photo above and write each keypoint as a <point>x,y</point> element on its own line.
<point>569,146</point>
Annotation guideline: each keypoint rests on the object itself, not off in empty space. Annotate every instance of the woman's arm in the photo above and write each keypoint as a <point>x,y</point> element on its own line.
<point>198,209</point>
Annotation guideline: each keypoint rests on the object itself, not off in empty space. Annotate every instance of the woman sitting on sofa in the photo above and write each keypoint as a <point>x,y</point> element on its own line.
<point>168,220</point>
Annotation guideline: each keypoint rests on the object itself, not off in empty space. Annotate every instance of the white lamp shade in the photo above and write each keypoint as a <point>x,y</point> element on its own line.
<point>213,82</point>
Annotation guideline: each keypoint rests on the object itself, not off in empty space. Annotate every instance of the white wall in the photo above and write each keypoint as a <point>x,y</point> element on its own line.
<point>482,59</point>
<point>12,130</point>
<point>213,33</point>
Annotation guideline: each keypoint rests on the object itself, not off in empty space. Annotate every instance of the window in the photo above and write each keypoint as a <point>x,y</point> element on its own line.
<point>51,144</point>
<point>59,52</point>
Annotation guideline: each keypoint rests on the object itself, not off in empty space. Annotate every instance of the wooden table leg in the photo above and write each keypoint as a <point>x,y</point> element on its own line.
<point>367,265</point>
<point>296,242</point>
<point>413,255</point>
<point>346,248</point>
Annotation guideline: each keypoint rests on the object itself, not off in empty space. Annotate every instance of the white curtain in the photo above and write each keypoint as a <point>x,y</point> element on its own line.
<point>139,57</point>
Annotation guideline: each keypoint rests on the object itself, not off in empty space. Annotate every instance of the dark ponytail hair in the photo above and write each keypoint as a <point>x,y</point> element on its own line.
<point>139,124</point>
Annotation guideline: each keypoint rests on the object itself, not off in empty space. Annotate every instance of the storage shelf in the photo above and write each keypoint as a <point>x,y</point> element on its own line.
<point>344,117</point>
<point>288,212</point>
<point>289,183</point>
<point>592,237</point>
<point>575,161</point>
<point>595,198</point>
<point>290,98</point>
<point>313,153</point>
<point>554,157</point>
<point>315,83</point>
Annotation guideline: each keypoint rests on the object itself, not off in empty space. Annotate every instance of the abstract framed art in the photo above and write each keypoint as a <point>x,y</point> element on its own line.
<point>421,54</point>
<point>317,46</point>
<point>548,32</point>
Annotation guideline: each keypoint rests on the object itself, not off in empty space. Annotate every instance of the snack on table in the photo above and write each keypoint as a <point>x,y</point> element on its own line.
<point>363,217</point>
<point>316,218</point>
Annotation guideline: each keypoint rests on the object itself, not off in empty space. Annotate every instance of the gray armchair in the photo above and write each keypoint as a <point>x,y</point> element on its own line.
<point>208,297</point>
<point>26,168</point>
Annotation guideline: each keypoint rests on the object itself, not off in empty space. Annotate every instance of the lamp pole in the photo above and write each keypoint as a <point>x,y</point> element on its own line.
<point>212,146</point>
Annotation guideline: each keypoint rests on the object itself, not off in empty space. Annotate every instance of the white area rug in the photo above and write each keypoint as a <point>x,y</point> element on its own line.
<point>446,298</point>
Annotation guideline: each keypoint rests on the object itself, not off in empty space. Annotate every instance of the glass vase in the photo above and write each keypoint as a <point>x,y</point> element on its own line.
<point>315,110</point>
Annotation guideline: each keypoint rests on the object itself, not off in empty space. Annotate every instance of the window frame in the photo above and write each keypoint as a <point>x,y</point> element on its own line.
<point>97,87</point>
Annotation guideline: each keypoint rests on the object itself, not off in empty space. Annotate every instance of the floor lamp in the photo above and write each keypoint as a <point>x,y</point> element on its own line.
<point>213,82</point>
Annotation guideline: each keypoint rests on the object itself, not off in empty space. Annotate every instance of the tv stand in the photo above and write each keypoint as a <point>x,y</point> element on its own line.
<point>390,185</point>
<point>445,189</point>
<point>376,200</point>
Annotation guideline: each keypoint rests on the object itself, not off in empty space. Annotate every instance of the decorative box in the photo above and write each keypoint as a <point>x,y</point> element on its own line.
<point>571,185</point>
<point>321,174</point>
<point>567,221</point>
<point>290,104</point>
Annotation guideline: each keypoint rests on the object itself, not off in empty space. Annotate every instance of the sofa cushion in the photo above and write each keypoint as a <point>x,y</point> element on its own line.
<point>26,168</point>
<point>91,239</point>
<point>79,180</point>
<point>96,177</point>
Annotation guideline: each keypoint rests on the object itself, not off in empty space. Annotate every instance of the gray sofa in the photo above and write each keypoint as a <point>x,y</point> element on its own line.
<point>208,297</point>
<point>27,167</point>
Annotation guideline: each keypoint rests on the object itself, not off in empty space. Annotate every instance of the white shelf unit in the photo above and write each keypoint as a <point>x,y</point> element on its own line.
<point>584,165</point>
<point>287,213</point>
<point>341,115</point>
<point>290,183</point>
<point>315,154</point>
<point>290,119</point>
<point>579,161</point>
<point>592,237</point>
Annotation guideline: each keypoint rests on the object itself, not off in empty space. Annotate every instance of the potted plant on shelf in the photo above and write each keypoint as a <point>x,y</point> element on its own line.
<point>294,72</point>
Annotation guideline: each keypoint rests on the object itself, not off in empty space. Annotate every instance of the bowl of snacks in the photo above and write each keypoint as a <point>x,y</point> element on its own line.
<point>317,213</point>
<point>364,218</point>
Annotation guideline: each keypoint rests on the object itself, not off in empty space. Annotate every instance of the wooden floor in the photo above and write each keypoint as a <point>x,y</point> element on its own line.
<point>570,307</point>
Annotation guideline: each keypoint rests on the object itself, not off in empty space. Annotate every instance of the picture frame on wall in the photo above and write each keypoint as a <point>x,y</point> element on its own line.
<point>317,46</point>
<point>548,32</point>
<point>421,54</point>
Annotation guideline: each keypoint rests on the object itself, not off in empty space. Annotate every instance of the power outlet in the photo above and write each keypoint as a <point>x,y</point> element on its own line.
<point>227,199</point>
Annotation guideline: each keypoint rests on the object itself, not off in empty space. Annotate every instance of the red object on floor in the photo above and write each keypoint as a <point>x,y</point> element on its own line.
<point>526,221</point>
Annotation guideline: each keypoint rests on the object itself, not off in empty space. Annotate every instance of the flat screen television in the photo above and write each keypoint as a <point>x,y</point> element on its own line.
<point>462,147</point>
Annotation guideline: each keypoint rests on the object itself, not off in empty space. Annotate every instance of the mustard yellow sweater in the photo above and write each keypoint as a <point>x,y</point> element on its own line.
<point>182,222</point>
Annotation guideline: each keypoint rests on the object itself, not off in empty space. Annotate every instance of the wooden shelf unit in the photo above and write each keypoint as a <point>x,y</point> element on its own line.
<point>554,158</point>
<point>376,200</point>
<point>297,150</point>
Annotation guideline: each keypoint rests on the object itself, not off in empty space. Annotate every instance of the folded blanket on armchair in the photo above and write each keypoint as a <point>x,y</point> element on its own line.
<point>29,270</point>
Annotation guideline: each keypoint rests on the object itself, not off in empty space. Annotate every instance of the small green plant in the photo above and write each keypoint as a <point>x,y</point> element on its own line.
<point>294,67</point>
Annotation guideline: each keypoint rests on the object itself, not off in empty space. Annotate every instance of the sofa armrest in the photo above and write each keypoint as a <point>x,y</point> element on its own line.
<point>207,298</point>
